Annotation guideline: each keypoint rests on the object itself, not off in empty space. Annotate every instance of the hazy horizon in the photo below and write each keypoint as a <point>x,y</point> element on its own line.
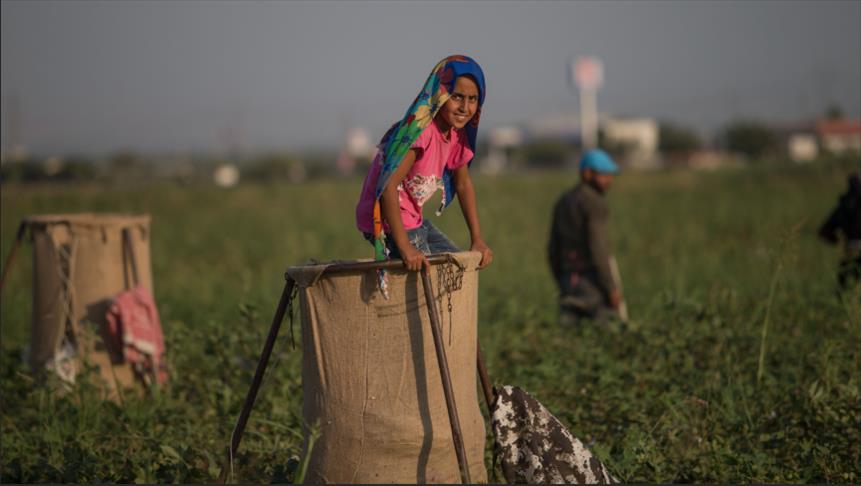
<point>96,77</point>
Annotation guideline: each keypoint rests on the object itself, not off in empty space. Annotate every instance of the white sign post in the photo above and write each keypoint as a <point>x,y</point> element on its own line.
<point>588,75</point>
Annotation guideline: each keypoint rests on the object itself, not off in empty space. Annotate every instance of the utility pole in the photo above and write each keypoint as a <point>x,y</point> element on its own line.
<point>588,75</point>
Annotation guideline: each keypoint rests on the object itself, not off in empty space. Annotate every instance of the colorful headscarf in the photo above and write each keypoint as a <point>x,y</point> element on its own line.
<point>400,137</point>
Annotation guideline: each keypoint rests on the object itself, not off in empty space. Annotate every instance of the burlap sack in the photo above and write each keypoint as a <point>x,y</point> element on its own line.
<point>371,380</point>
<point>79,264</point>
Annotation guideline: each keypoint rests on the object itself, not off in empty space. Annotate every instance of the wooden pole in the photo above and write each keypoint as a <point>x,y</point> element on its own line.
<point>9,259</point>
<point>456,434</point>
<point>236,436</point>
<point>486,388</point>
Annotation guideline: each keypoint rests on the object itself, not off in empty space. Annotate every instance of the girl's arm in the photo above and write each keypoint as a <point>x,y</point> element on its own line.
<point>391,209</point>
<point>466,196</point>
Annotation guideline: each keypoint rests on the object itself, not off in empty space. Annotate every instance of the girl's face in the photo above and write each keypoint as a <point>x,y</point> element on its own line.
<point>462,105</point>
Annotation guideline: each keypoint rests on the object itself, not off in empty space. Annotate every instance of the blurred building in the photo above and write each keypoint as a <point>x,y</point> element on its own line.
<point>16,153</point>
<point>357,146</point>
<point>804,142</point>
<point>839,136</point>
<point>802,147</point>
<point>53,165</point>
<point>559,126</point>
<point>634,139</point>
<point>226,175</point>
<point>500,143</point>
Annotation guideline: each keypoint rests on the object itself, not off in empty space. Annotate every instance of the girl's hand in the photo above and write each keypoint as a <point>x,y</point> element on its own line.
<point>413,259</point>
<point>486,252</point>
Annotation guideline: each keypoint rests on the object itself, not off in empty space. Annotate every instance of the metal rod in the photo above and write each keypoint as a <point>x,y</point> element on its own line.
<point>485,380</point>
<point>456,435</point>
<point>21,228</point>
<point>382,265</point>
<point>236,436</point>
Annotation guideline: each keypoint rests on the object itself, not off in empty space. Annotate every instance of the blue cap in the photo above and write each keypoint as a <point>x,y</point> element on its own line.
<point>599,161</point>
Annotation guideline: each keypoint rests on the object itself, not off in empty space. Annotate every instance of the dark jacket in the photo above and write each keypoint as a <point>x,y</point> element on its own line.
<point>578,236</point>
<point>846,217</point>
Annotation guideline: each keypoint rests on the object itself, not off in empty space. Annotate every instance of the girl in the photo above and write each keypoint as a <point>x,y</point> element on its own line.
<point>429,149</point>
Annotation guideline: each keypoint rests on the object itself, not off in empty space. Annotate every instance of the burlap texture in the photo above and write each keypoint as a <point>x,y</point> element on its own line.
<point>371,380</point>
<point>79,265</point>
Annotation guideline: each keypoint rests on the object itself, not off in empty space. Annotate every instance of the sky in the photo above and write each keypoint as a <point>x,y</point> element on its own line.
<point>102,76</point>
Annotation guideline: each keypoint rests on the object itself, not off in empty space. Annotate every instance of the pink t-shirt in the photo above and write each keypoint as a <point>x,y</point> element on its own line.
<point>421,182</point>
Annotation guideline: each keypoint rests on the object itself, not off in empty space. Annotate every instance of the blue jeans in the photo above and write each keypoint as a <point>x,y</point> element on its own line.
<point>426,238</point>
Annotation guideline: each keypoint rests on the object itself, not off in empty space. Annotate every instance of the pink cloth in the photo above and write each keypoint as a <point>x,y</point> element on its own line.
<point>134,324</point>
<point>424,178</point>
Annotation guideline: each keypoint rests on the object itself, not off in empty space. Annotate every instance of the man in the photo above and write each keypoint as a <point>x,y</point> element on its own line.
<point>579,246</point>
<point>846,219</point>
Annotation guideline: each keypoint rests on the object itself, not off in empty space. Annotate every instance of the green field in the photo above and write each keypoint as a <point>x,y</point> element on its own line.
<point>719,269</point>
